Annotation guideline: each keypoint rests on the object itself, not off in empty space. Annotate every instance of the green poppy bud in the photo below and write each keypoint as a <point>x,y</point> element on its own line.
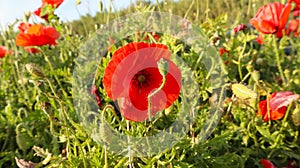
<point>163,66</point>
<point>34,70</point>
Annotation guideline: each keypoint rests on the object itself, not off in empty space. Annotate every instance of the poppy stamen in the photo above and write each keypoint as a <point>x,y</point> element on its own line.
<point>141,78</point>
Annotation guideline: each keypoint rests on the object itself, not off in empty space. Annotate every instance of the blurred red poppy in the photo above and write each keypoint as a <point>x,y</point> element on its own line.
<point>4,51</point>
<point>37,35</point>
<point>223,51</point>
<point>24,26</point>
<point>54,4</point>
<point>267,164</point>
<point>132,74</point>
<point>95,91</point>
<point>296,1</point>
<point>296,10</point>
<point>291,164</point>
<point>240,27</point>
<point>260,39</point>
<point>292,28</point>
<point>272,18</point>
<point>278,103</point>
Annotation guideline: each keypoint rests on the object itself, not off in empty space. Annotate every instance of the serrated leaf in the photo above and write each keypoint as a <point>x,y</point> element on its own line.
<point>243,92</point>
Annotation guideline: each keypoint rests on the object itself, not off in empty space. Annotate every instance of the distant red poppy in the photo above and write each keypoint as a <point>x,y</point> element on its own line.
<point>296,10</point>
<point>296,1</point>
<point>4,51</point>
<point>240,27</point>
<point>260,39</point>
<point>24,26</point>
<point>53,3</point>
<point>223,51</point>
<point>292,28</point>
<point>278,103</point>
<point>37,35</point>
<point>272,18</point>
<point>267,164</point>
<point>186,24</point>
<point>291,164</point>
<point>95,91</point>
<point>132,74</point>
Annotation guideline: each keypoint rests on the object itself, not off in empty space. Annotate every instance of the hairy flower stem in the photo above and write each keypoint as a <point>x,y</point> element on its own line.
<point>278,60</point>
<point>129,147</point>
<point>239,61</point>
<point>154,93</point>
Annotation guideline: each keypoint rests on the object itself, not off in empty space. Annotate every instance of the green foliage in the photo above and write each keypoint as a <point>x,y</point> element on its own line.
<point>39,122</point>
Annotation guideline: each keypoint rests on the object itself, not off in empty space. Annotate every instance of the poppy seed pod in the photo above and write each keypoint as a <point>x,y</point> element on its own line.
<point>163,66</point>
<point>34,70</point>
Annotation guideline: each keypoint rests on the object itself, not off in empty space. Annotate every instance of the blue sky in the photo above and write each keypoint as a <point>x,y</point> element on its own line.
<point>10,10</point>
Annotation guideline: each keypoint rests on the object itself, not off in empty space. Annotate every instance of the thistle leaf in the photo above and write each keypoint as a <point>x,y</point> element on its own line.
<point>243,92</point>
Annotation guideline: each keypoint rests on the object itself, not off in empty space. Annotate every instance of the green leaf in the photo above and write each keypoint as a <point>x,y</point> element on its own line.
<point>243,92</point>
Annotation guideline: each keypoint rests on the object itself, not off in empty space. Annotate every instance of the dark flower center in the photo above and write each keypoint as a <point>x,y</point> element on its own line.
<point>142,78</point>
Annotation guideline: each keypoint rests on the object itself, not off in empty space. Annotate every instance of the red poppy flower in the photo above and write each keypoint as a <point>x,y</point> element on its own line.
<point>272,18</point>
<point>296,10</point>
<point>24,26</point>
<point>37,35</point>
<point>4,51</point>
<point>240,27</point>
<point>267,164</point>
<point>53,3</point>
<point>133,73</point>
<point>222,51</point>
<point>278,103</point>
<point>95,91</point>
<point>296,1</point>
<point>292,28</point>
<point>260,39</point>
<point>186,24</point>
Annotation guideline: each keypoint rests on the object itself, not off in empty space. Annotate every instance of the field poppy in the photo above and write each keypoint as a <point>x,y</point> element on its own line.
<point>272,18</point>
<point>240,27</point>
<point>37,35</point>
<point>260,39</point>
<point>267,164</point>
<point>278,103</point>
<point>23,27</point>
<point>95,91</point>
<point>54,4</point>
<point>133,73</point>
<point>222,51</point>
<point>292,27</point>
<point>296,1</point>
<point>296,11</point>
<point>4,51</point>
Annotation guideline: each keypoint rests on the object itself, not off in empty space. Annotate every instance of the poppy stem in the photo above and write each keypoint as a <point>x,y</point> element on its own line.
<point>163,67</point>
<point>154,93</point>
<point>278,60</point>
<point>129,143</point>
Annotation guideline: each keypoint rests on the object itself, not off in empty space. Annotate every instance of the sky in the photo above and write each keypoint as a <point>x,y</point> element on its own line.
<point>10,10</point>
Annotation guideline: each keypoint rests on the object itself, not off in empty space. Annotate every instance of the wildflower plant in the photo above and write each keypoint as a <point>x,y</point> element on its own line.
<point>172,84</point>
